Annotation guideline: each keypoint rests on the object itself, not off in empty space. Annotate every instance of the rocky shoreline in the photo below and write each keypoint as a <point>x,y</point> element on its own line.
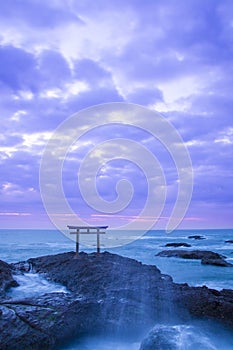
<point>107,293</point>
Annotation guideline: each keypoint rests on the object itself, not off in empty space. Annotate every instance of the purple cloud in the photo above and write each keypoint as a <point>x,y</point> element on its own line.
<point>36,14</point>
<point>58,58</point>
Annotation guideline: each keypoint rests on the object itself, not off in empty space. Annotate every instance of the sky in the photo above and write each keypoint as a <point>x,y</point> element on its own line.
<point>60,57</point>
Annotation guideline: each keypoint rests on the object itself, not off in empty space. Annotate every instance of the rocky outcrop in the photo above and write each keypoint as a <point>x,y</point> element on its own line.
<point>207,303</point>
<point>167,337</point>
<point>107,293</point>
<point>6,278</point>
<point>198,237</point>
<point>177,245</point>
<point>207,257</point>
<point>161,337</point>
<point>191,254</point>
<point>44,322</point>
<point>216,262</point>
<point>229,241</point>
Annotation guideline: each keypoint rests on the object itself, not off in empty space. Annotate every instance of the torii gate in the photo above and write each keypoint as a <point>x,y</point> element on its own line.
<point>87,230</point>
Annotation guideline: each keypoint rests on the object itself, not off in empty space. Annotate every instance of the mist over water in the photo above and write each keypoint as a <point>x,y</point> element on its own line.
<point>101,343</point>
<point>195,336</point>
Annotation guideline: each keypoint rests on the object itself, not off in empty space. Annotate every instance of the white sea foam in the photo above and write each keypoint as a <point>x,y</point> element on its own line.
<point>33,284</point>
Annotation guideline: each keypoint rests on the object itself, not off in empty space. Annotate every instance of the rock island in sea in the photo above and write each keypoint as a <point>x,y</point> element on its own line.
<point>107,294</point>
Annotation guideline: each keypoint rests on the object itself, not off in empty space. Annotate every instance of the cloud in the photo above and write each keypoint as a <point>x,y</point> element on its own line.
<point>91,71</point>
<point>37,14</point>
<point>57,58</point>
<point>53,69</point>
<point>144,96</point>
<point>16,67</point>
<point>14,214</point>
<point>23,71</point>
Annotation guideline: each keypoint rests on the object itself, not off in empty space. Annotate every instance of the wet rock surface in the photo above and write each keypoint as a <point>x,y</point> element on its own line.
<point>161,338</point>
<point>229,241</point>
<point>6,278</point>
<point>198,237</point>
<point>207,257</point>
<point>107,293</point>
<point>167,338</point>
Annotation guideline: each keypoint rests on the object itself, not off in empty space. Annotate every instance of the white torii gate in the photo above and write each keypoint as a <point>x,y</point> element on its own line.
<point>87,230</point>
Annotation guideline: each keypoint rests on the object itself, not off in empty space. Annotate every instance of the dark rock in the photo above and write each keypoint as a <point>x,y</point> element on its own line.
<point>6,278</point>
<point>22,266</point>
<point>207,303</point>
<point>229,241</point>
<point>196,237</point>
<point>190,254</point>
<point>17,332</point>
<point>207,257</point>
<point>109,294</point>
<point>41,323</point>
<point>161,337</point>
<point>168,338</point>
<point>177,245</point>
<point>98,270</point>
<point>216,262</point>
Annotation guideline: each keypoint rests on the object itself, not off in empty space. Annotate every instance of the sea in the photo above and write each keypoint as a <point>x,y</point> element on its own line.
<point>22,244</point>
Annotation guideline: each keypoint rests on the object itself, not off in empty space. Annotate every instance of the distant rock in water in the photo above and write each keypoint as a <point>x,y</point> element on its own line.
<point>190,254</point>
<point>216,262</point>
<point>206,256</point>
<point>196,237</point>
<point>229,241</point>
<point>178,245</point>
<point>166,337</point>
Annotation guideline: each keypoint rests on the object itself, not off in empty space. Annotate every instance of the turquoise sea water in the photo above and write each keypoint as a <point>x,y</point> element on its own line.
<point>19,245</point>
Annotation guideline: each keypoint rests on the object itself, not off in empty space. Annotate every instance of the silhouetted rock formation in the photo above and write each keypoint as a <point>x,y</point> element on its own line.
<point>177,245</point>
<point>196,237</point>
